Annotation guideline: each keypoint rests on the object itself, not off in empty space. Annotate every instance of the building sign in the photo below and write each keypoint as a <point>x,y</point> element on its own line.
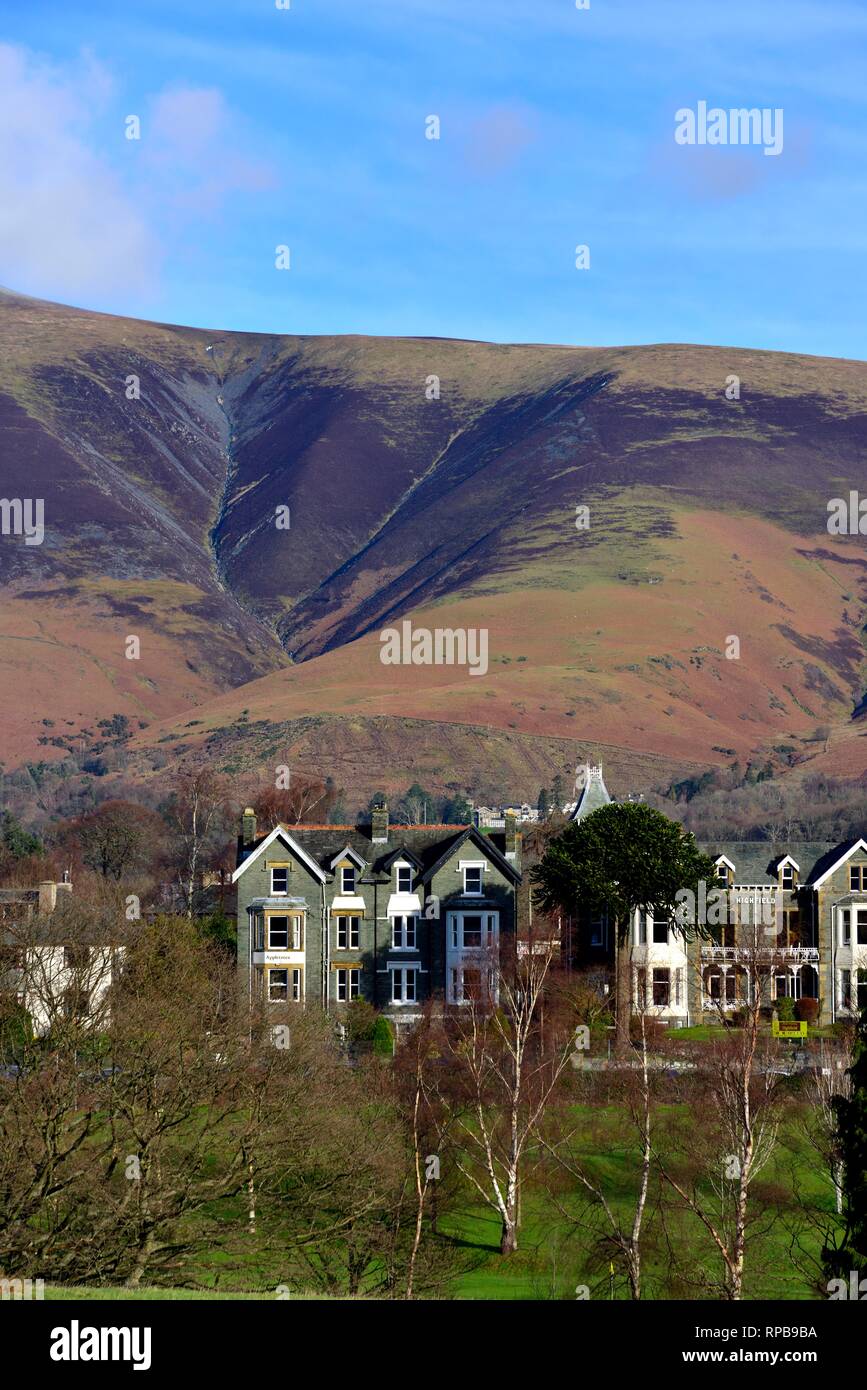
<point>785,1028</point>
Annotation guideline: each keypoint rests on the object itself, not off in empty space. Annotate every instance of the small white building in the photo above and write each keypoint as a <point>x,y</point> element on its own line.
<point>52,973</point>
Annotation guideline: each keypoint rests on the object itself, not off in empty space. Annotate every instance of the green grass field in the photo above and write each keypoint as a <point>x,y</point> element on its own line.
<point>557,1252</point>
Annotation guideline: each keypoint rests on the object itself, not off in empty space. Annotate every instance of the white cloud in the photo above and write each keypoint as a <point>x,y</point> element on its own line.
<point>67,226</point>
<point>86,213</point>
<point>193,154</point>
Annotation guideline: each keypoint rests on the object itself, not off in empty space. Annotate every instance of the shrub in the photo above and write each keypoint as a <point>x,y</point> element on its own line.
<point>383,1038</point>
<point>361,1021</point>
<point>807,1010</point>
<point>786,1009</point>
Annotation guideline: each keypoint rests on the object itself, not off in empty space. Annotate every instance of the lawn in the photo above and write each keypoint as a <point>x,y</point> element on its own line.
<point>556,1253</point>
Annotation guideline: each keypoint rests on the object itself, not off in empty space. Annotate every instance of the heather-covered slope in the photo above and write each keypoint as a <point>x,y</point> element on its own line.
<point>451,502</point>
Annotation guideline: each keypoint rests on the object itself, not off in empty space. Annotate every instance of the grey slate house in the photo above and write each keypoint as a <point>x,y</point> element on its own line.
<point>814,893</point>
<point>392,914</point>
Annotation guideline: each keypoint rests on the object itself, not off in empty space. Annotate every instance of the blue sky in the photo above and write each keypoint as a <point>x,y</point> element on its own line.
<point>306,127</point>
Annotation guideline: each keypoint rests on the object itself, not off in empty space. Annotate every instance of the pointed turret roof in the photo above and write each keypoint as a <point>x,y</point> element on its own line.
<point>594,792</point>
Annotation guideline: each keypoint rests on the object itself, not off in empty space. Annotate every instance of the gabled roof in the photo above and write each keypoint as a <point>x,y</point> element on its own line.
<point>420,845</point>
<point>757,862</point>
<point>782,859</point>
<point>279,832</point>
<point>482,842</point>
<point>347,853</point>
<point>594,793</point>
<point>823,870</point>
<point>402,853</point>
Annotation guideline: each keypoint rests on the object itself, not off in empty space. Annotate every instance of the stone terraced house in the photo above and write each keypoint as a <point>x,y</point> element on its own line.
<point>398,915</point>
<point>392,914</point>
<point>813,892</point>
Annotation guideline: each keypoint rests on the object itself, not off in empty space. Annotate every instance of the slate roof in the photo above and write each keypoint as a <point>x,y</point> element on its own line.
<point>427,843</point>
<point>756,861</point>
<point>594,794</point>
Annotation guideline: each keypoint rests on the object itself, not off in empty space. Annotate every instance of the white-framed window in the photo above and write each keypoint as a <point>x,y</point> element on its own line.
<point>347,984</point>
<point>346,935</point>
<point>296,984</point>
<point>660,931</point>
<point>861,926</point>
<point>597,930</point>
<point>403,932</point>
<point>845,927</point>
<point>787,877</point>
<point>473,880</point>
<point>403,875</point>
<point>721,988</point>
<point>472,931</point>
<point>466,983</point>
<point>845,989</point>
<point>347,879</point>
<point>285,933</point>
<point>258,925</point>
<point>724,874</point>
<point>279,881</point>
<point>278,986</point>
<point>661,986</point>
<point>278,933</point>
<point>403,985</point>
<point>858,877</point>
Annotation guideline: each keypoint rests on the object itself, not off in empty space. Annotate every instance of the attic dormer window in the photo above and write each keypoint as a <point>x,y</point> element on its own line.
<point>347,878</point>
<point>788,876</point>
<point>857,877</point>
<point>404,878</point>
<point>473,879</point>
<point>279,882</point>
<point>724,874</point>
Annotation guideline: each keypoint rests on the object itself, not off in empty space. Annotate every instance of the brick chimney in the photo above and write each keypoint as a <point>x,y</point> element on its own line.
<point>379,824</point>
<point>248,827</point>
<point>513,839</point>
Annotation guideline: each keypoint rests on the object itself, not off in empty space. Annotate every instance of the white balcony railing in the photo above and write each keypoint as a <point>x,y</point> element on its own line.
<point>743,955</point>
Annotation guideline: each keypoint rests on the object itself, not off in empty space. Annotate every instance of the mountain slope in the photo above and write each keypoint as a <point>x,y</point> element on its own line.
<point>435,480</point>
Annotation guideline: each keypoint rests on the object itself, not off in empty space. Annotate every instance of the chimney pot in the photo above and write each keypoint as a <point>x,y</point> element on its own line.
<point>379,824</point>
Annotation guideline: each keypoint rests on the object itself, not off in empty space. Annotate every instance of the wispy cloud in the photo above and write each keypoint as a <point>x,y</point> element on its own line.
<point>85,211</point>
<point>66,223</point>
<point>193,154</point>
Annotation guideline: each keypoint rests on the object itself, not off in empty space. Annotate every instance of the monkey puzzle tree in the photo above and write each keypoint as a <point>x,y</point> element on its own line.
<point>624,858</point>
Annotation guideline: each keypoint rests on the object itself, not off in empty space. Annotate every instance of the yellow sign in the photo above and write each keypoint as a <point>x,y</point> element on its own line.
<point>786,1028</point>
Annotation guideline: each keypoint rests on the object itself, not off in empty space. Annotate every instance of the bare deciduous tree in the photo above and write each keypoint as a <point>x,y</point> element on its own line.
<point>504,1070</point>
<point>739,1089</point>
<point>197,816</point>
